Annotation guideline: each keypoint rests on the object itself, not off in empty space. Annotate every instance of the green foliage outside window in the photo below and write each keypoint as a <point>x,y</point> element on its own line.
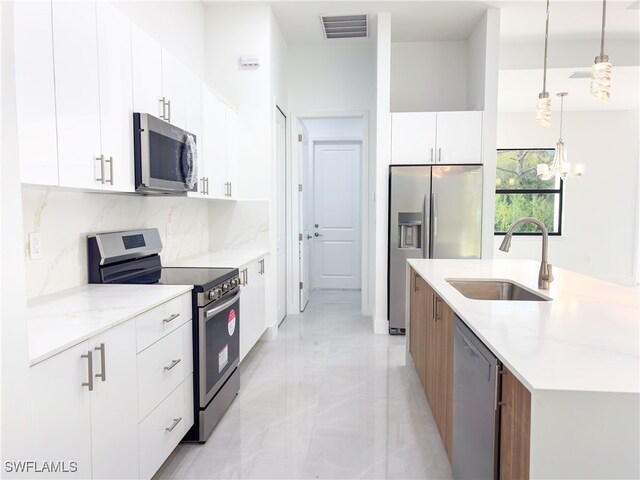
<point>521,193</point>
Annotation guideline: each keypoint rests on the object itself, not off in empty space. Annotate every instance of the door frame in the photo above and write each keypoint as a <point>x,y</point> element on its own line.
<point>294,172</point>
<point>281,197</point>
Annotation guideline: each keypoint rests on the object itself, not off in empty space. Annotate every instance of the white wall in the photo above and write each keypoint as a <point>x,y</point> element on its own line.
<point>178,26</point>
<point>428,76</point>
<point>65,218</point>
<point>600,209</point>
<point>239,225</point>
<point>334,128</point>
<point>476,65</point>
<point>232,31</point>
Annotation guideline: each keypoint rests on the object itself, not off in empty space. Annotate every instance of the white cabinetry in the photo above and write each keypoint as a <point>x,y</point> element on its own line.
<point>35,94</point>
<point>146,61</point>
<point>436,137</point>
<point>116,97</point>
<point>61,410</point>
<point>252,304</point>
<point>75,46</point>
<point>232,153</point>
<point>113,421</point>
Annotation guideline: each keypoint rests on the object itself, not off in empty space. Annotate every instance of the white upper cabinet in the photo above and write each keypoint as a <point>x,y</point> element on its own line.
<point>413,137</point>
<point>430,137</point>
<point>116,97</point>
<point>232,152</point>
<point>175,83</point>
<point>459,137</point>
<point>77,94</point>
<point>35,95</point>
<point>146,60</point>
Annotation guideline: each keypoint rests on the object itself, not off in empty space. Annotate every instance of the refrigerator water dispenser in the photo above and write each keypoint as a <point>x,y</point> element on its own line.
<point>410,230</point>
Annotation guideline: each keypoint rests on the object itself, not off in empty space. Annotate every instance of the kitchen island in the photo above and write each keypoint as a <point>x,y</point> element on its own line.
<point>576,357</point>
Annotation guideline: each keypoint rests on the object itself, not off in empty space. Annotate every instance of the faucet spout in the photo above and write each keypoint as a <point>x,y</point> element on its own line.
<point>545,276</point>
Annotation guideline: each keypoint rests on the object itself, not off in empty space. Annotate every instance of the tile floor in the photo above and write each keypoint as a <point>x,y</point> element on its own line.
<point>326,399</point>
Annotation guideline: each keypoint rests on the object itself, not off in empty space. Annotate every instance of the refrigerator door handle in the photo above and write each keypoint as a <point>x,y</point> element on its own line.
<point>434,226</point>
<point>424,228</point>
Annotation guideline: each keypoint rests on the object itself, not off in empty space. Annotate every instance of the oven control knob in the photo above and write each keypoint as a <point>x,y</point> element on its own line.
<point>234,283</point>
<point>225,287</point>
<point>215,294</point>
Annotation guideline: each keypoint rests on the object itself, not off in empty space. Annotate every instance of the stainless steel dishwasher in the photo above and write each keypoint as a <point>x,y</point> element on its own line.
<point>475,403</point>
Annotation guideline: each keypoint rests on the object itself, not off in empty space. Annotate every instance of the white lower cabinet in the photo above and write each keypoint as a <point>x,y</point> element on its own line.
<point>61,411</point>
<point>110,411</point>
<point>252,304</point>
<point>163,429</point>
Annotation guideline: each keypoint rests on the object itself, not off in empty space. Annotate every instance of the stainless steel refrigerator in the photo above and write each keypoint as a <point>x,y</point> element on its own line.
<point>434,212</point>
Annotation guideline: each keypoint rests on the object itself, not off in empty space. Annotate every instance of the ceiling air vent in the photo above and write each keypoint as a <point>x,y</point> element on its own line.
<point>344,26</point>
<point>580,75</point>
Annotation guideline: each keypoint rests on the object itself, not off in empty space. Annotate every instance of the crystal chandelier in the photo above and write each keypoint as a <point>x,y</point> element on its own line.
<point>560,165</point>
<point>601,69</point>
<point>543,108</point>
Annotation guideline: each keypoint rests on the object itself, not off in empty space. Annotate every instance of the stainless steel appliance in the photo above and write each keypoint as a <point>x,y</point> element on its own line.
<point>165,157</point>
<point>475,407</point>
<point>133,257</point>
<point>434,212</point>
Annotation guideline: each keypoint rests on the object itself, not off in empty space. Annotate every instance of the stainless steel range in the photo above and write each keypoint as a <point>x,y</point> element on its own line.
<point>133,257</point>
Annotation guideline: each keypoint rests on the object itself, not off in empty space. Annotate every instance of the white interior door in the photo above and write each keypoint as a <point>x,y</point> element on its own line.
<point>306,215</point>
<point>336,185</point>
<point>281,214</point>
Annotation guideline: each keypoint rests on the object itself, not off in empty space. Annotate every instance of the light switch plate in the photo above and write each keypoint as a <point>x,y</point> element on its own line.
<point>35,246</point>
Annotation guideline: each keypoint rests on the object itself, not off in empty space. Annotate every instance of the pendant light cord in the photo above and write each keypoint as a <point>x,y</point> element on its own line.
<point>561,112</point>
<point>604,16</point>
<point>546,37</point>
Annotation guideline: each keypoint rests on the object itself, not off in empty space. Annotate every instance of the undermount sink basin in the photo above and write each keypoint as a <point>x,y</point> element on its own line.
<point>495,290</point>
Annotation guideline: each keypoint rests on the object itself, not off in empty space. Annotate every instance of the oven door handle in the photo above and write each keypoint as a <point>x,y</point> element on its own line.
<point>214,311</point>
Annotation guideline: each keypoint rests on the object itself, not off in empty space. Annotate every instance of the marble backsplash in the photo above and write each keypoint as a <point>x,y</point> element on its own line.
<point>239,225</point>
<point>65,218</point>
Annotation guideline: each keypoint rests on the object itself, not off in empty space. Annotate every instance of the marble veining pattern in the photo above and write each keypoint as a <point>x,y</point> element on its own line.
<point>65,218</point>
<point>325,399</point>
<point>586,339</point>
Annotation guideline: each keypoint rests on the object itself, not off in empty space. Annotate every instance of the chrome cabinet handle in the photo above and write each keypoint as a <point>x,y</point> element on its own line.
<point>172,364</point>
<point>431,160</point>
<point>101,160</point>
<point>261,263</point>
<point>436,299</point>
<point>89,358</point>
<point>230,189</point>
<point>171,318</point>
<point>161,102</point>
<point>103,368</point>
<point>169,111</point>
<point>439,155</point>
<point>110,162</point>
<point>175,423</point>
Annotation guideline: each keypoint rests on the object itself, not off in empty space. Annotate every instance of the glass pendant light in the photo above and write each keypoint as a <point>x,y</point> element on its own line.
<point>601,69</point>
<point>543,108</point>
<point>560,166</point>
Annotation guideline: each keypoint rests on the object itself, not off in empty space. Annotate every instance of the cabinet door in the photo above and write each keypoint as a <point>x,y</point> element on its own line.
<point>61,411</point>
<point>418,325</point>
<point>252,307</point>
<point>444,396</point>
<point>116,97</point>
<point>114,419</point>
<point>232,151</point>
<point>193,125</point>
<point>432,355</point>
<point>459,137</point>
<point>216,145</point>
<point>413,137</point>
<point>35,94</point>
<point>77,93</point>
<point>146,61</point>
<point>175,82</point>
<point>515,428</point>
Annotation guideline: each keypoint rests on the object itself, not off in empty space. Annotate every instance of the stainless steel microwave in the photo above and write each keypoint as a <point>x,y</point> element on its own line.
<point>165,157</point>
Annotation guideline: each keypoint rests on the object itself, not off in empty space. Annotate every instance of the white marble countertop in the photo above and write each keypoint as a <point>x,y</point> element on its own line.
<point>62,320</point>
<point>586,339</point>
<point>222,259</point>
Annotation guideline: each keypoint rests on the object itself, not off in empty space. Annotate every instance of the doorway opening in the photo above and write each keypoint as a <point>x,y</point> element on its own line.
<point>329,221</point>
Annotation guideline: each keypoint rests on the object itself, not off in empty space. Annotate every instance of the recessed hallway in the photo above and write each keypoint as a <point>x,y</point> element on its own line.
<point>326,399</point>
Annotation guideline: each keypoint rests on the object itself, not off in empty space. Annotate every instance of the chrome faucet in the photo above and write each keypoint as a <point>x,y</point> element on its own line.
<point>545,276</point>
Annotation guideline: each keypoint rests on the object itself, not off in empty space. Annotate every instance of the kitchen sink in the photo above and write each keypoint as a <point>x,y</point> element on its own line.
<point>488,289</point>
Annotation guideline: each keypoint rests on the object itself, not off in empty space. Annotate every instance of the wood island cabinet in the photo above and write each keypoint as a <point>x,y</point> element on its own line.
<point>515,428</point>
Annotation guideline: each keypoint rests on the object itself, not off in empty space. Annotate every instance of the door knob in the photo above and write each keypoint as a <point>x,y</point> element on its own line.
<point>317,225</point>
<point>317,234</point>
<point>309,237</point>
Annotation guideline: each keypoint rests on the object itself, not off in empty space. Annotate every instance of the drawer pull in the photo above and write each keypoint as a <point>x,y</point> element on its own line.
<point>175,423</point>
<point>171,318</point>
<point>172,364</point>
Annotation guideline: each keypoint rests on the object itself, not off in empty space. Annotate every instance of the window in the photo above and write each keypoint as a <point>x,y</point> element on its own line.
<point>520,193</point>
